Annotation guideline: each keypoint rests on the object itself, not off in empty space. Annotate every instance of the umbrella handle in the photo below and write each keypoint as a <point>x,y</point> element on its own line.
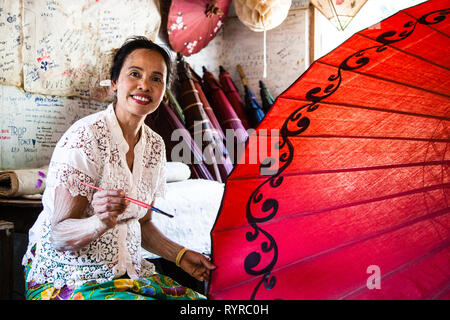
<point>212,9</point>
<point>241,73</point>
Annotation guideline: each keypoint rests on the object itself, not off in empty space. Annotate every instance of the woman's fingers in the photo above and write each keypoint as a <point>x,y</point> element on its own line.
<point>207,263</point>
<point>198,265</point>
<point>109,196</point>
<point>109,201</point>
<point>108,205</point>
<point>118,207</point>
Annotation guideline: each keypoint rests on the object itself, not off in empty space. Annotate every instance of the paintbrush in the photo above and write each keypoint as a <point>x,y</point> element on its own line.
<point>139,203</point>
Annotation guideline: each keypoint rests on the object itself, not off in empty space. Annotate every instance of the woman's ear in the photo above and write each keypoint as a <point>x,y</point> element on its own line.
<point>114,85</point>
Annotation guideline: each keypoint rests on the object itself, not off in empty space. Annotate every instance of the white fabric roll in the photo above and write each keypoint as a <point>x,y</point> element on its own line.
<point>17,183</point>
<point>177,171</point>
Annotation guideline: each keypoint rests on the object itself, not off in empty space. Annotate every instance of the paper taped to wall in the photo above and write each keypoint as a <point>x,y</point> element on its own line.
<point>29,134</point>
<point>68,46</point>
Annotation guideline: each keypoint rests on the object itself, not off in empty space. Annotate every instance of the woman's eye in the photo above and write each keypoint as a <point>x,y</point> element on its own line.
<point>134,74</point>
<point>158,79</point>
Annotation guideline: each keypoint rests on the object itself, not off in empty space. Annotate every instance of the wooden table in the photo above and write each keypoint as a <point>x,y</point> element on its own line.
<point>22,212</point>
<point>17,215</point>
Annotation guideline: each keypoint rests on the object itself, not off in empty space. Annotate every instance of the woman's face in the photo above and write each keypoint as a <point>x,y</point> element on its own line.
<point>141,83</point>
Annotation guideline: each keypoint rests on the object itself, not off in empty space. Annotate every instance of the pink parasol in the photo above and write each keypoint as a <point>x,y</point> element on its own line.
<point>192,24</point>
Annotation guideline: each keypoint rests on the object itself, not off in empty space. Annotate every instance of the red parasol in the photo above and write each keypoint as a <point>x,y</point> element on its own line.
<point>230,90</point>
<point>356,204</point>
<point>192,24</point>
<point>164,122</point>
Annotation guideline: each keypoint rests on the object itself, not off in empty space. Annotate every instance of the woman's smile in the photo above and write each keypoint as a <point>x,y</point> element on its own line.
<point>141,99</point>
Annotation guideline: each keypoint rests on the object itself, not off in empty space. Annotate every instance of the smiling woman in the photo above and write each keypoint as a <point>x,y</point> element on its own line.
<point>87,245</point>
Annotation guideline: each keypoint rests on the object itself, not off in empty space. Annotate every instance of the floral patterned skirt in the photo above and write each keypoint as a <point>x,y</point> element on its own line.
<point>155,287</point>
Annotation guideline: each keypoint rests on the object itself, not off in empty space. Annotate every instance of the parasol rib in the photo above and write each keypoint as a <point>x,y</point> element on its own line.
<point>427,25</point>
<point>331,136</point>
<point>409,53</point>
<point>342,170</point>
<point>440,293</point>
<point>423,115</point>
<point>388,80</point>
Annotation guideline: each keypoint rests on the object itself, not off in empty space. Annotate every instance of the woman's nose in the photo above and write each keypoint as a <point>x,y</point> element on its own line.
<point>144,84</point>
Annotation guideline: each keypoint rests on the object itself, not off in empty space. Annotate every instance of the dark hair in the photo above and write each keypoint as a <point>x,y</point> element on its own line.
<point>131,44</point>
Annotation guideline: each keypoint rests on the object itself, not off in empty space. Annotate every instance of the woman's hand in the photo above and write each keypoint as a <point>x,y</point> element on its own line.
<point>108,205</point>
<point>197,265</point>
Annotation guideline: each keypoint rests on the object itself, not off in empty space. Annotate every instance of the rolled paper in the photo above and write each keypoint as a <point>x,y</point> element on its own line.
<point>16,183</point>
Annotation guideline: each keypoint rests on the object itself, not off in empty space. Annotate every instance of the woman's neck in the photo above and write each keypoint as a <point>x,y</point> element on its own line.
<point>130,125</point>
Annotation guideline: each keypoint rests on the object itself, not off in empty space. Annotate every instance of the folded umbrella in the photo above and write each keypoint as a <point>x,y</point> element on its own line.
<point>206,106</point>
<point>266,98</point>
<point>230,90</point>
<point>254,111</point>
<point>173,103</point>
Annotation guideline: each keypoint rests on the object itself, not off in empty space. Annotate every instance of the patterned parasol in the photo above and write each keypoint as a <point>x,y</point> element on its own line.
<point>192,24</point>
<point>353,203</point>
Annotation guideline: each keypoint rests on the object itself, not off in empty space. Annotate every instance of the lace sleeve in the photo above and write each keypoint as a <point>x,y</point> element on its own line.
<point>75,159</point>
<point>160,190</point>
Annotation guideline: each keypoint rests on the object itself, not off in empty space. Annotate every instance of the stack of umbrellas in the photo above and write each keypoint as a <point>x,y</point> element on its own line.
<point>197,122</point>
<point>164,122</point>
<point>225,113</point>
<point>224,162</point>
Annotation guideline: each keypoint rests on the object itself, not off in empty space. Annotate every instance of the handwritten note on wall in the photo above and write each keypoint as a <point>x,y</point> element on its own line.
<point>29,134</point>
<point>10,43</point>
<point>68,45</point>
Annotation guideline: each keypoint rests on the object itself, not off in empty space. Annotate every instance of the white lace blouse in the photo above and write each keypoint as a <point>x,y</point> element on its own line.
<point>94,150</point>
